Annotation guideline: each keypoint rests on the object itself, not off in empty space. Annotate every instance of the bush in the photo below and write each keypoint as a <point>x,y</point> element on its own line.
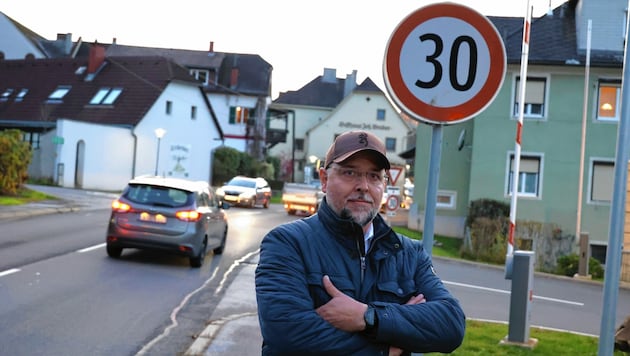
<point>486,208</point>
<point>229,162</point>
<point>15,156</point>
<point>568,265</point>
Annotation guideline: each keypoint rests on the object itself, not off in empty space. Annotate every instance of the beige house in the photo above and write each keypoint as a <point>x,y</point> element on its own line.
<point>326,107</point>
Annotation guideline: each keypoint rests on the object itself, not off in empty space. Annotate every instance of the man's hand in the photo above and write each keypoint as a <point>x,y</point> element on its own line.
<point>342,311</point>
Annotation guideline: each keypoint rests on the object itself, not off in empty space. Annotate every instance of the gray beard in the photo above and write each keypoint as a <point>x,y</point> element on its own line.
<point>347,214</point>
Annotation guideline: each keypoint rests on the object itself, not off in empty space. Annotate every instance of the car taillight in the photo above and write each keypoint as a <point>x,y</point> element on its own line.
<point>188,215</point>
<point>120,207</point>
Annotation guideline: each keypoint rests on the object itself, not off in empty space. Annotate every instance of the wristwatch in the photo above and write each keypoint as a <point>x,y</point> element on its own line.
<point>370,318</point>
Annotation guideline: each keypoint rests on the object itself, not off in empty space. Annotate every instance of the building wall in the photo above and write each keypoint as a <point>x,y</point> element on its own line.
<point>454,177</point>
<point>186,148</point>
<point>108,155</point>
<point>608,19</point>
<point>235,133</point>
<point>556,138</point>
<point>113,155</point>
<point>356,112</point>
<point>13,43</point>
<point>305,118</point>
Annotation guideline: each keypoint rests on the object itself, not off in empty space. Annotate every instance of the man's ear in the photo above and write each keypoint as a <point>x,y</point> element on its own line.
<point>323,179</point>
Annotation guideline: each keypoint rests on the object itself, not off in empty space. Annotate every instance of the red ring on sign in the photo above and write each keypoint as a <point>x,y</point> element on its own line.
<point>449,115</point>
<point>389,205</point>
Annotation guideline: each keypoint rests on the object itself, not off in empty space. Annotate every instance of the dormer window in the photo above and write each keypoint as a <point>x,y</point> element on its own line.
<point>20,96</point>
<point>105,96</point>
<point>6,94</point>
<point>58,94</point>
<point>201,75</point>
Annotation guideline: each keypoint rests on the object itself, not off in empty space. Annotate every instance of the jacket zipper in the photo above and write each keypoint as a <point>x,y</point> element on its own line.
<point>362,254</point>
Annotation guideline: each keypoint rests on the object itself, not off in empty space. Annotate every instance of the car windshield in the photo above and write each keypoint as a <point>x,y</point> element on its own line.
<point>155,195</point>
<point>242,183</point>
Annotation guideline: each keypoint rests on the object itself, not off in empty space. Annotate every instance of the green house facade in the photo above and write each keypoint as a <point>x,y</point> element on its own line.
<point>478,154</point>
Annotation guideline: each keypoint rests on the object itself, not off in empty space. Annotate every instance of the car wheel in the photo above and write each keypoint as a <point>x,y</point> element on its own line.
<point>291,212</point>
<point>266,203</point>
<point>219,250</point>
<point>197,261</point>
<point>113,251</point>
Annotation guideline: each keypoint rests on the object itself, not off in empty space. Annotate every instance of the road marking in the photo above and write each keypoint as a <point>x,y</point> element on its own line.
<point>175,312</point>
<point>87,249</point>
<point>9,271</point>
<point>508,292</point>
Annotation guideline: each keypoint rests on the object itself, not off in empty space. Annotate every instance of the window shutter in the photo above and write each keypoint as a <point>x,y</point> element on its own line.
<point>232,115</point>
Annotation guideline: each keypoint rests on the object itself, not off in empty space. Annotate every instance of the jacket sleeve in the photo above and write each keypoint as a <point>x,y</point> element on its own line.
<point>438,325</point>
<point>286,311</point>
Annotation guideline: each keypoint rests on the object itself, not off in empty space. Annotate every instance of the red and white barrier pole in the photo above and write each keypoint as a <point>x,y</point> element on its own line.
<point>517,147</point>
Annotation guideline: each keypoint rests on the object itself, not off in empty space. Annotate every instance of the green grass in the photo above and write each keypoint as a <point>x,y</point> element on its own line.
<point>24,196</point>
<point>484,338</point>
<point>443,246</point>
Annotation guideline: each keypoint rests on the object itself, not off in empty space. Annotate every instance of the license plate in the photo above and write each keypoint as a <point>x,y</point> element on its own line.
<point>157,218</point>
<point>229,198</point>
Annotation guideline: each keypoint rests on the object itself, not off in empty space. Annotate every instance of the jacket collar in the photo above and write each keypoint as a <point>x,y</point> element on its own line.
<point>347,228</point>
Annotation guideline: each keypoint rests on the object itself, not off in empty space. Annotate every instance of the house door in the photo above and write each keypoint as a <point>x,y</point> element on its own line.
<point>79,164</point>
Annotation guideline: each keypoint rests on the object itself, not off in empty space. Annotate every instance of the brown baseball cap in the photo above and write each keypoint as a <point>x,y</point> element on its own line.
<point>351,142</point>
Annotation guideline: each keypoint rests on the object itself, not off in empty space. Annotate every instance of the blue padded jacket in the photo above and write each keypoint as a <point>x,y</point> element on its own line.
<point>294,257</point>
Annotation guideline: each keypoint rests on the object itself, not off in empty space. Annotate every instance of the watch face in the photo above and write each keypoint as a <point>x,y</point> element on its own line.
<point>369,317</point>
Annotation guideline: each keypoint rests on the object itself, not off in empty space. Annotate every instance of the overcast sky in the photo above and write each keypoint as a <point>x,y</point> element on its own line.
<point>298,38</point>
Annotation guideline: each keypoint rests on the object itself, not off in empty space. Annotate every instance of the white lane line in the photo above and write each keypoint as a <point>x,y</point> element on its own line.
<point>175,312</point>
<point>508,292</point>
<point>87,249</point>
<point>9,271</point>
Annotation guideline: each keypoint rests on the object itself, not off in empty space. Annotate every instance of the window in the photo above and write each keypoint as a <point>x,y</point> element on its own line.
<point>390,144</point>
<point>6,94</point>
<point>446,199</point>
<point>528,177</point>
<point>380,114</point>
<point>58,94</point>
<point>240,115</point>
<point>608,100</point>
<point>534,97</point>
<point>299,144</point>
<point>193,112</point>
<point>602,180</point>
<point>32,138</point>
<point>105,96</point>
<point>169,107</point>
<point>20,96</point>
<point>201,75</point>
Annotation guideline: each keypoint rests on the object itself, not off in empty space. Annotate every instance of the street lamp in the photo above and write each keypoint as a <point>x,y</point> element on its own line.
<point>159,133</point>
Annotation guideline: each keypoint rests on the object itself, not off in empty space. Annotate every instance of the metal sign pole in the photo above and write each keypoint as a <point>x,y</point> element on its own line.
<point>431,198</point>
<point>617,215</point>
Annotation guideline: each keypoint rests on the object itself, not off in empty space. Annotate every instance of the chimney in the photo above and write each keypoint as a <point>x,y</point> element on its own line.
<point>350,83</point>
<point>211,47</point>
<point>330,75</point>
<point>96,59</point>
<point>114,40</point>
<point>64,41</point>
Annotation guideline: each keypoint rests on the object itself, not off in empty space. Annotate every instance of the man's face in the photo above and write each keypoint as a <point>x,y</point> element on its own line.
<point>354,188</point>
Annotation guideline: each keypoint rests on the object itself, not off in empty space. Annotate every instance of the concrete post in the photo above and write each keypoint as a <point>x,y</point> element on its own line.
<point>521,299</point>
<point>584,255</point>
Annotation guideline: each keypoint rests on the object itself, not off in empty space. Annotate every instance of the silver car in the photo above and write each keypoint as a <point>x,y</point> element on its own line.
<point>169,214</point>
<point>246,191</point>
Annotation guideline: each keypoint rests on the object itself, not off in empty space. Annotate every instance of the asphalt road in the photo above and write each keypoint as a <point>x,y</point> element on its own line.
<point>62,295</point>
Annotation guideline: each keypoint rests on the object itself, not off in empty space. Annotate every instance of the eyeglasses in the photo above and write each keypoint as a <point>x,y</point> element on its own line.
<point>351,175</point>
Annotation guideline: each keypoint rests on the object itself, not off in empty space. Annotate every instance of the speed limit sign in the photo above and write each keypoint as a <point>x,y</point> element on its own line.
<point>444,63</point>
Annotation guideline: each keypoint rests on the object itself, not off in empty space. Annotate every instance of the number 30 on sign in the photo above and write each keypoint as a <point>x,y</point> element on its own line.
<point>444,63</point>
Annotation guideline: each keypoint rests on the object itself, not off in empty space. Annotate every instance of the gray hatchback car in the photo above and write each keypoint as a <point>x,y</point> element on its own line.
<point>169,214</point>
